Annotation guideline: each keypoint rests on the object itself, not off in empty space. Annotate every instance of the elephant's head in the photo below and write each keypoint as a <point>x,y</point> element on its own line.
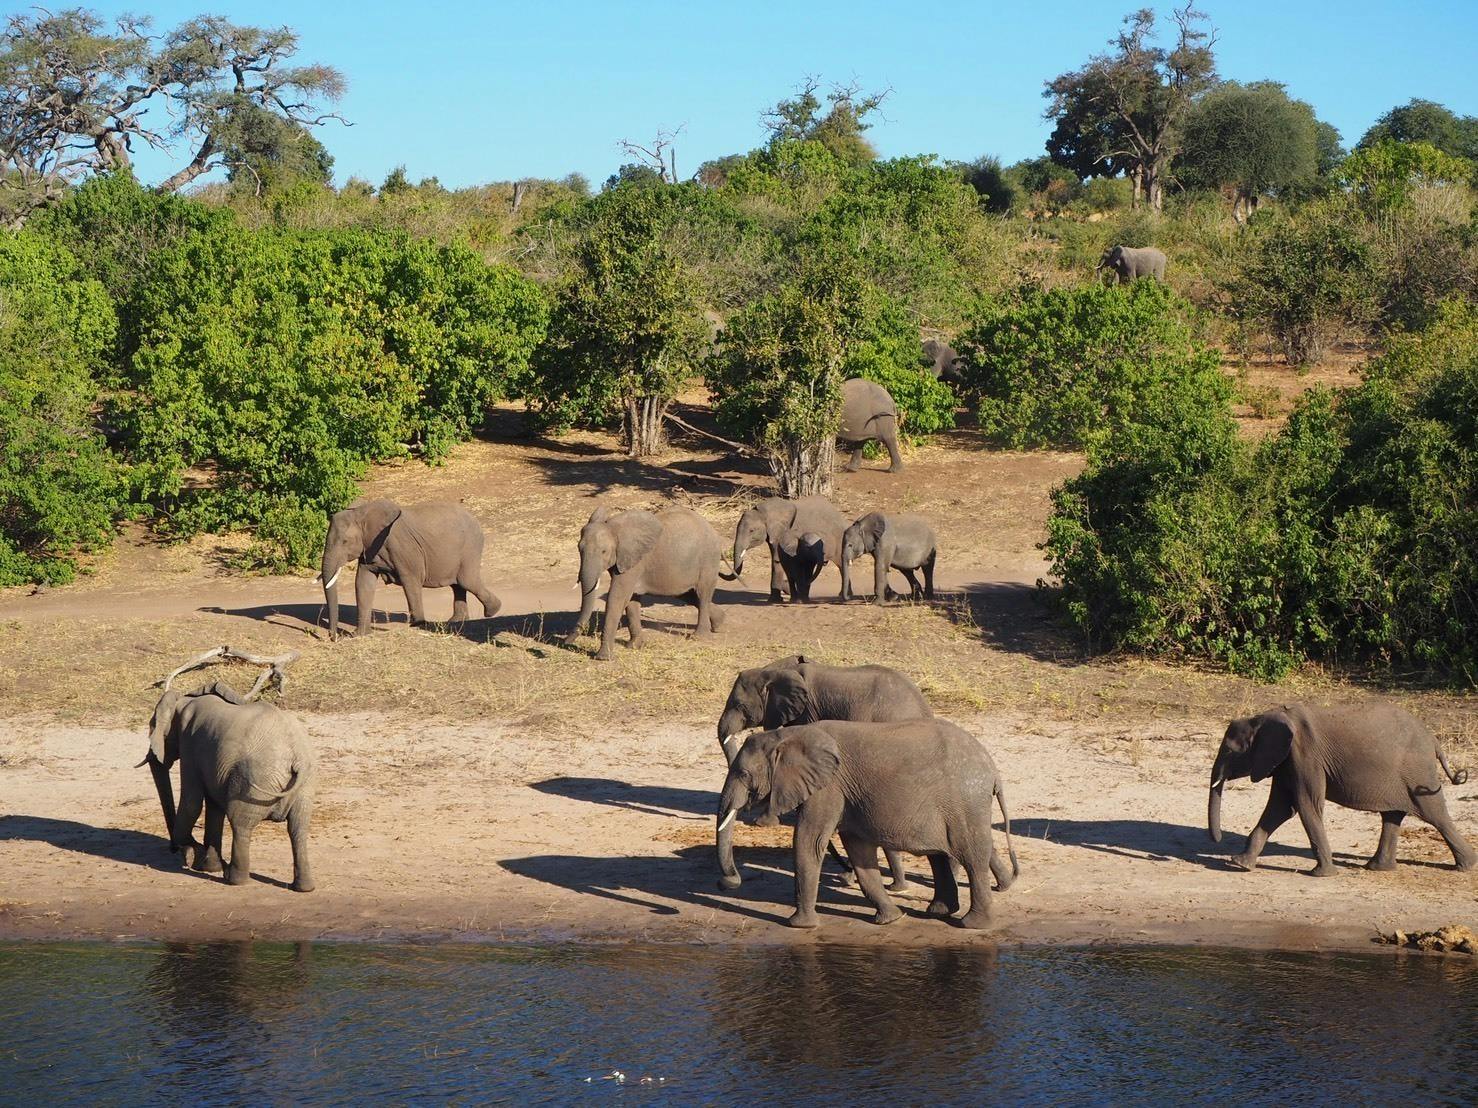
<point>1113,258</point>
<point>859,539</point>
<point>615,542</point>
<point>752,530</point>
<point>355,534</point>
<point>164,751</point>
<point>1252,747</point>
<point>944,361</point>
<point>779,769</point>
<point>745,707</point>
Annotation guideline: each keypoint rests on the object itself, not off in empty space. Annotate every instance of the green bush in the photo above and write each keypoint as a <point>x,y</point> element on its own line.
<point>59,489</point>
<point>275,366</point>
<point>1054,367</point>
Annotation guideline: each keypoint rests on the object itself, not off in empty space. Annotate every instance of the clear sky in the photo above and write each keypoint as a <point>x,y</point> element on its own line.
<point>496,91</point>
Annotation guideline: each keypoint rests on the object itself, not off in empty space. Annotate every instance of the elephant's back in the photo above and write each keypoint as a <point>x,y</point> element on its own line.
<point>863,402</point>
<point>1377,754</point>
<point>886,696</point>
<point>820,515</point>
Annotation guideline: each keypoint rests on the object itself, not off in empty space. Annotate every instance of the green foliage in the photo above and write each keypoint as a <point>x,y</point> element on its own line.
<point>988,178</point>
<point>280,364</point>
<point>1347,536</point>
<point>838,129</point>
<point>1384,175</point>
<point>1060,367</point>
<point>59,489</point>
<point>1426,122</point>
<point>1253,138</point>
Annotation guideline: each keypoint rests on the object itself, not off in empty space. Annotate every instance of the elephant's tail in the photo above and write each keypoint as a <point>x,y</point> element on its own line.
<point>1000,792</point>
<point>288,793</point>
<point>1458,778</point>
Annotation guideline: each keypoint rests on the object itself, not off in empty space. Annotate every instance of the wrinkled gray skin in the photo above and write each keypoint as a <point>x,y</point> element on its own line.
<point>869,415</point>
<point>418,546</point>
<point>802,557</point>
<point>902,542</point>
<point>771,519</point>
<point>1129,263</point>
<point>1370,757</point>
<point>922,786</point>
<point>944,362</point>
<point>673,553</point>
<point>242,761</point>
<point>793,690</point>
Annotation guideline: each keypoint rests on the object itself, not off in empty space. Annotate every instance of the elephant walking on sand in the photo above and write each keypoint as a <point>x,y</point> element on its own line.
<point>775,517</point>
<point>869,415</point>
<point>903,542</point>
<point>923,786</point>
<point>243,761</point>
<point>419,546</point>
<point>674,552</point>
<point>1370,757</point>
<point>1129,263</point>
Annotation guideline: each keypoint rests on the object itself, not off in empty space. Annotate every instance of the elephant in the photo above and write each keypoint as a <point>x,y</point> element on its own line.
<point>1129,263</point>
<point>796,690</point>
<point>802,557</point>
<point>419,546</point>
<point>1369,757</point>
<point>769,521</point>
<point>674,552</point>
<point>902,542</point>
<point>869,414</point>
<point>944,362</point>
<point>244,761</point>
<point>922,786</point>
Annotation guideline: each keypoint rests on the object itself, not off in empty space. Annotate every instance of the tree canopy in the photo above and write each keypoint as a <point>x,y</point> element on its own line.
<point>1429,122</point>
<point>1252,139</point>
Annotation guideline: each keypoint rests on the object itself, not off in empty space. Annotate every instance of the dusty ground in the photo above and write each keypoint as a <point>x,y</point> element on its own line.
<point>490,783</point>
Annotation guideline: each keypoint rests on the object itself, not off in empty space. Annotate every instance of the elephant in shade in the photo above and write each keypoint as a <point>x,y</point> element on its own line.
<point>419,546</point>
<point>1129,263</point>
<point>869,415</point>
<point>943,362</point>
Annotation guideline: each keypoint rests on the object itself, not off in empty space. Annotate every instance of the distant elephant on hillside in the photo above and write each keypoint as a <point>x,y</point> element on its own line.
<point>419,546</point>
<point>774,517</point>
<point>674,552</point>
<point>1129,263</point>
<point>944,362</point>
<point>869,415</point>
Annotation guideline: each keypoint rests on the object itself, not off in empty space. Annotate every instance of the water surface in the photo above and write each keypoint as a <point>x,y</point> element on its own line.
<point>339,1023</point>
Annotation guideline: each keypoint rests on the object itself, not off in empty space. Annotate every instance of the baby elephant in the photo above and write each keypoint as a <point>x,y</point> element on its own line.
<point>802,557</point>
<point>923,786</point>
<point>902,542</point>
<point>245,762</point>
<point>1370,757</point>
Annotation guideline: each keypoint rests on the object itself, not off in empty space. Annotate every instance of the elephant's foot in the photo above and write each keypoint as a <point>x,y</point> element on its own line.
<point>1323,869</point>
<point>237,875</point>
<point>1244,862</point>
<point>802,918</point>
<point>900,884</point>
<point>303,885</point>
<point>603,654</point>
<point>1381,864</point>
<point>976,919</point>
<point>1464,864</point>
<point>777,597</point>
<point>885,916</point>
<point>208,861</point>
<point>851,467</point>
<point>897,468</point>
<point>941,909</point>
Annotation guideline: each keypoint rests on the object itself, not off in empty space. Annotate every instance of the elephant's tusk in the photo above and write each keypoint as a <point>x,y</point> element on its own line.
<point>722,742</point>
<point>728,819</point>
<point>330,582</point>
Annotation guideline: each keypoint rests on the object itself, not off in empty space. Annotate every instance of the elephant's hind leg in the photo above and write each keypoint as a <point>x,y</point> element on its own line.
<point>1390,833</point>
<point>864,856</point>
<point>946,900</point>
<point>899,884</point>
<point>929,575</point>
<point>856,463</point>
<point>915,590</point>
<point>977,866</point>
<point>1432,808</point>
<point>485,596</point>
<point>459,604</point>
<point>890,440</point>
<point>243,823</point>
<point>298,821</point>
<point>208,858</point>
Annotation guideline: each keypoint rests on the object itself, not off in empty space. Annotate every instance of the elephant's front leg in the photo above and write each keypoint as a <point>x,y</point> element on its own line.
<point>880,565</point>
<point>1310,807</point>
<point>587,613</point>
<point>815,824</point>
<point>298,821</point>
<point>617,598</point>
<point>1274,816</point>
<point>192,799</point>
<point>777,575</point>
<point>864,856</point>
<point>365,583</point>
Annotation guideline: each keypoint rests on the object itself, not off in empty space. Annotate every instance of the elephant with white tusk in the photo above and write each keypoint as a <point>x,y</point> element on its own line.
<point>1129,263</point>
<point>773,518</point>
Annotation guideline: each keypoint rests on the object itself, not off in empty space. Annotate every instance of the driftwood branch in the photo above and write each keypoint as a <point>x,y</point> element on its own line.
<point>276,670</point>
<point>730,443</point>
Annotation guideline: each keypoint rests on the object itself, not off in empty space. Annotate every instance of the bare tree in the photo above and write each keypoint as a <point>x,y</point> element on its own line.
<point>660,155</point>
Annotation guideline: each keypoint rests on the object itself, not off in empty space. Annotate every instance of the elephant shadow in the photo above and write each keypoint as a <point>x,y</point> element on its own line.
<point>1013,617</point>
<point>1155,841</point>
<point>650,881</point>
<point>654,800</point>
<point>135,848</point>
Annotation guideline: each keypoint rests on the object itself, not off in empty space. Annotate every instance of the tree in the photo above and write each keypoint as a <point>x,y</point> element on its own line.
<point>75,95</point>
<point>839,128</point>
<point>1384,175</point>
<point>1125,110</point>
<point>986,176</point>
<point>1252,139</point>
<point>266,154</point>
<point>1429,122</point>
<point>627,326</point>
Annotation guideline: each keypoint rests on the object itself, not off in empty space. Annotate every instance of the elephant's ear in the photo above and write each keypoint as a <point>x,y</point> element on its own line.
<point>378,517</point>
<point>787,701</point>
<point>805,760</point>
<point>790,543</point>
<point>872,527</point>
<point>1272,742</point>
<point>161,724</point>
<point>600,515</point>
<point>636,533</point>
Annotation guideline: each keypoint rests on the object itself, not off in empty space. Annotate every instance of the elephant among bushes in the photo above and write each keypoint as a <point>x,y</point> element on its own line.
<point>1129,263</point>
<point>419,546</point>
<point>944,362</point>
<point>869,415</point>
<point>1370,757</point>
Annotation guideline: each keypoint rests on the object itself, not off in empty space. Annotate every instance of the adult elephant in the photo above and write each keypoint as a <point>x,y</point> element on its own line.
<point>869,415</point>
<point>1129,263</point>
<point>773,518</point>
<point>923,786</point>
<point>242,761</point>
<point>674,552</point>
<point>1370,757</point>
<point>419,546</point>
<point>944,362</point>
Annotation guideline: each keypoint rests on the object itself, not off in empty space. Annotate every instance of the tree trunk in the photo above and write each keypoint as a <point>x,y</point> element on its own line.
<point>642,425</point>
<point>519,188</point>
<point>1136,177</point>
<point>804,468</point>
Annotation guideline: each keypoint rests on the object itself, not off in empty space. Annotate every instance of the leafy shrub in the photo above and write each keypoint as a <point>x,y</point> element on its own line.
<point>59,489</point>
<point>276,365</point>
<point>1054,367</point>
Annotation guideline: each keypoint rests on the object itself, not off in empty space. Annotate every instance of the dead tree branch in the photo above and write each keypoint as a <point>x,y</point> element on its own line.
<point>276,670</point>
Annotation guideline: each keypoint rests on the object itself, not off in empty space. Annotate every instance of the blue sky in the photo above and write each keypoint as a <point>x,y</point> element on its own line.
<point>480,92</point>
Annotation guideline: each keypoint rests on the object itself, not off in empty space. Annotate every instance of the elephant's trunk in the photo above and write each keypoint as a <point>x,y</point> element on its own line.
<point>331,599</point>
<point>729,725</point>
<point>166,796</point>
<point>734,798</point>
<point>1213,802</point>
<point>739,553</point>
<point>845,564</point>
